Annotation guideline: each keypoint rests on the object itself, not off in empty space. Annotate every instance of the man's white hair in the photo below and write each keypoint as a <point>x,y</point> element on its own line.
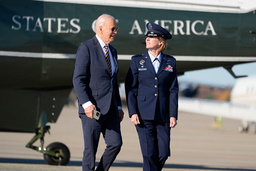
<point>102,19</point>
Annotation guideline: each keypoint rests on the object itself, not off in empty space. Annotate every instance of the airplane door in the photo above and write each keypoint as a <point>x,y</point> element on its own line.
<point>248,34</point>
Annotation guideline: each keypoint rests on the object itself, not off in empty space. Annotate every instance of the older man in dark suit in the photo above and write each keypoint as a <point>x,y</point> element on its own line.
<point>96,85</point>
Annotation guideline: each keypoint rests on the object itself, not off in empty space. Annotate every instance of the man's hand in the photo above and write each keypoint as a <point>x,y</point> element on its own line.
<point>89,111</point>
<point>173,122</point>
<point>135,119</point>
<point>121,115</point>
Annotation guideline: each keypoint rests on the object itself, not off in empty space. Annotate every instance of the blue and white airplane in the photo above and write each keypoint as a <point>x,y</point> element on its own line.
<point>242,105</point>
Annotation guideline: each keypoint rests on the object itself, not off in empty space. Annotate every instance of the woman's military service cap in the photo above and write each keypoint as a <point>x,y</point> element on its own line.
<point>155,30</point>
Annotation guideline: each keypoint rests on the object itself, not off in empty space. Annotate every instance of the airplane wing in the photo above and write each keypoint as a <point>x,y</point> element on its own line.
<point>218,108</point>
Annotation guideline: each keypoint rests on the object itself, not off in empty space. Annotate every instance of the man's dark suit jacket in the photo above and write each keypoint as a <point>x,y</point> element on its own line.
<point>92,80</point>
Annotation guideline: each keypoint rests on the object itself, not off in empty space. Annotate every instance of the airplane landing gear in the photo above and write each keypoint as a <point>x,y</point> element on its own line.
<point>54,154</point>
<point>245,125</point>
<point>57,154</point>
<point>243,128</point>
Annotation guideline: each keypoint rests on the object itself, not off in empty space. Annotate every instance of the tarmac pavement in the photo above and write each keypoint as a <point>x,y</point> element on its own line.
<point>195,144</point>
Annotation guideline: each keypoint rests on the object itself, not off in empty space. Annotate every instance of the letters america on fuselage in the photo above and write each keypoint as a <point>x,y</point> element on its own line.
<point>66,25</point>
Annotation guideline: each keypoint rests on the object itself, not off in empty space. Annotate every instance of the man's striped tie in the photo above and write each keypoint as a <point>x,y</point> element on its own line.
<point>108,59</point>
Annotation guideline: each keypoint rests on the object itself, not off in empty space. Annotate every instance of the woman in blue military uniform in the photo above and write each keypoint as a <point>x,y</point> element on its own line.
<point>152,97</point>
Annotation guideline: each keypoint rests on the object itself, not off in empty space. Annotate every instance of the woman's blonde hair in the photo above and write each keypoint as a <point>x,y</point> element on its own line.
<point>164,44</point>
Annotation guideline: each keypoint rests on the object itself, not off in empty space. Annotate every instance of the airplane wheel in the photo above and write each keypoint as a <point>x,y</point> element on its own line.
<point>62,154</point>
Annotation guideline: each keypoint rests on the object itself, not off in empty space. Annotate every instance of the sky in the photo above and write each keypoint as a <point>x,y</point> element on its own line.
<point>218,76</point>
